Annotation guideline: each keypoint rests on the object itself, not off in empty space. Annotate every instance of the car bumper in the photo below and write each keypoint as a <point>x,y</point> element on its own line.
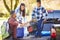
<point>42,38</point>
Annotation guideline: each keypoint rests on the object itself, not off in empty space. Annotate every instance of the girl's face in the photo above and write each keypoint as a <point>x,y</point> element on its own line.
<point>22,8</point>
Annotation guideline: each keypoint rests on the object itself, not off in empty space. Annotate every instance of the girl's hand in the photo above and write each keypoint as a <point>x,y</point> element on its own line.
<point>21,25</point>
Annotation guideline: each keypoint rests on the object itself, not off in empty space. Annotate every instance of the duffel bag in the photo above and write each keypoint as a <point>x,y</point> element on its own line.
<point>20,32</point>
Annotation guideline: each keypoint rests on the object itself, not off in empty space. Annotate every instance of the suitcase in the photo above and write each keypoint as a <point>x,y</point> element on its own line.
<point>20,32</point>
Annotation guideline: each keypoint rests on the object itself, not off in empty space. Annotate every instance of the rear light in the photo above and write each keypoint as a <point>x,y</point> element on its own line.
<point>50,11</point>
<point>53,33</point>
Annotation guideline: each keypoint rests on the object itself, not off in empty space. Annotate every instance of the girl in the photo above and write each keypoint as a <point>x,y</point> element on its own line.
<point>21,17</point>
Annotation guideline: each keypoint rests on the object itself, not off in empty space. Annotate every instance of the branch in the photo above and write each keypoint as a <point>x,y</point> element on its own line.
<point>4,1</point>
<point>11,4</point>
<point>17,1</point>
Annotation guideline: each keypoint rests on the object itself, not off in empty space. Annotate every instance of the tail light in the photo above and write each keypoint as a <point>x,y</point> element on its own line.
<point>53,33</point>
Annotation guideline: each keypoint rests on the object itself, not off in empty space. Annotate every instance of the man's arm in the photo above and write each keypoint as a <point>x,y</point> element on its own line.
<point>33,16</point>
<point>45,13</point>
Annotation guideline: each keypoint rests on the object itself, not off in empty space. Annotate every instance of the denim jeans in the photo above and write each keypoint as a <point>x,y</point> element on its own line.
<point>39,27</point>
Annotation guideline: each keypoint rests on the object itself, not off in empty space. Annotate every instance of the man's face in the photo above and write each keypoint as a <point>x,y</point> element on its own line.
<point>22,7</point>
<point>38,4</point>
<point>14,15</point>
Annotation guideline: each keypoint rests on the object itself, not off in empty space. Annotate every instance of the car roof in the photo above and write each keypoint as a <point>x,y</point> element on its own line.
<point>47,27</point>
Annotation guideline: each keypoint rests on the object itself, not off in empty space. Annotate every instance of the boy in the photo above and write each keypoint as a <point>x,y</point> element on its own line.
<point>38,14</point>
<point>13,24</point>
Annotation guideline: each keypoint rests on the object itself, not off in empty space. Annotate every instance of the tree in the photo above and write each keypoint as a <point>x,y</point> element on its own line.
<point>11,7</point>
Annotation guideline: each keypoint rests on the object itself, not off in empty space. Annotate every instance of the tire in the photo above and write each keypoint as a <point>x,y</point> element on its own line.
<point>53,39</point>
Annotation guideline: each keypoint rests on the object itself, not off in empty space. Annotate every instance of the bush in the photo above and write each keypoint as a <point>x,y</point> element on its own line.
<point>6,15</point>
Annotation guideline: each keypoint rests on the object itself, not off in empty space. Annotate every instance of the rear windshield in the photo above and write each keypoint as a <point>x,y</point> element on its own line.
<point>54,14</point>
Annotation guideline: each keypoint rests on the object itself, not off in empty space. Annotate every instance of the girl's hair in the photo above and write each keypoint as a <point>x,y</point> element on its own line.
<point>23,11</point>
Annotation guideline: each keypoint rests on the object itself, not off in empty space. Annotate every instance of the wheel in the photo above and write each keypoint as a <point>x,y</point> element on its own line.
<point>53,39</point>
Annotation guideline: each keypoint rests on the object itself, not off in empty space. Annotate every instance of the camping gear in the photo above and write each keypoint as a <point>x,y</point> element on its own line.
<point>20,32</point>
<point>4,29</point>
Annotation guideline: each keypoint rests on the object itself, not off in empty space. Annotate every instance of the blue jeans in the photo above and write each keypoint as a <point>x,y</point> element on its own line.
<point>39,27</point>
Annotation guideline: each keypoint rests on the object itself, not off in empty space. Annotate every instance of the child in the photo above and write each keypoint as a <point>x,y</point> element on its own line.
<point>13,24</point>
<point>21,16</point>
<point>37,16</point>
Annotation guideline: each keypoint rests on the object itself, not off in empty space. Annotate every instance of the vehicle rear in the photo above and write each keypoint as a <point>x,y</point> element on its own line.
<point>49,31</point>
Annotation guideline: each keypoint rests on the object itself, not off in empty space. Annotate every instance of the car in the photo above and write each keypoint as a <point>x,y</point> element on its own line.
<point>48,31</point>
<point>48,27</point>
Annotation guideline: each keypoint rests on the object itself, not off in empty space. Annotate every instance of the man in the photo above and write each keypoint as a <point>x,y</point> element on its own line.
<point>39,13</point>
<point>13,24</point>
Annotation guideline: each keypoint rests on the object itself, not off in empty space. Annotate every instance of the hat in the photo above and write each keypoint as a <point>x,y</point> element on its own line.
<point>12,12</point>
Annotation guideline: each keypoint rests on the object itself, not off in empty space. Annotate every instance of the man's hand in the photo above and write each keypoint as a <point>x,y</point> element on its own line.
<point>34,20</point>
<point>45,20</point>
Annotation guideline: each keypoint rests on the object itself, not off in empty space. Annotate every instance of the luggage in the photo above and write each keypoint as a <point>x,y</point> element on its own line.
<point>4,29</point>
<point>25,31</point>
<point>20,32</point>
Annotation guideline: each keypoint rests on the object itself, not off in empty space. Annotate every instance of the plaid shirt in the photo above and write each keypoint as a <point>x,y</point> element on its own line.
<point>39,13</point>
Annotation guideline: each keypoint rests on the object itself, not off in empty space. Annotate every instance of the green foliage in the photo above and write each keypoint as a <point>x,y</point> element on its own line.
<point>6,15</point>
<point>1,14</point>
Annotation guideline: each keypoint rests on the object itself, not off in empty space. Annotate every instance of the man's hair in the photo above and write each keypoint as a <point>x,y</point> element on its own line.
<point>12,12</point>
<point>38,1</point>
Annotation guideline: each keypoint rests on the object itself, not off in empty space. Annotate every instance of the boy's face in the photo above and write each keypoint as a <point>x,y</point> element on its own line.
<point>14,15</point>
<point>38,4</point>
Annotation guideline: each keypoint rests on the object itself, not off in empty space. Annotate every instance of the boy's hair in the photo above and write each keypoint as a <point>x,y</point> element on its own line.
<point>39,1</point>
<point>12,12</point>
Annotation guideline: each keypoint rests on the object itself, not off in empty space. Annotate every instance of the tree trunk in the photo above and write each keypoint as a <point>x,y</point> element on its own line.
<point>6,6</point>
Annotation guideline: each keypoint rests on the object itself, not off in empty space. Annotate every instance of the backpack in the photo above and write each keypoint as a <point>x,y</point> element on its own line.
<point>4,29</point>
